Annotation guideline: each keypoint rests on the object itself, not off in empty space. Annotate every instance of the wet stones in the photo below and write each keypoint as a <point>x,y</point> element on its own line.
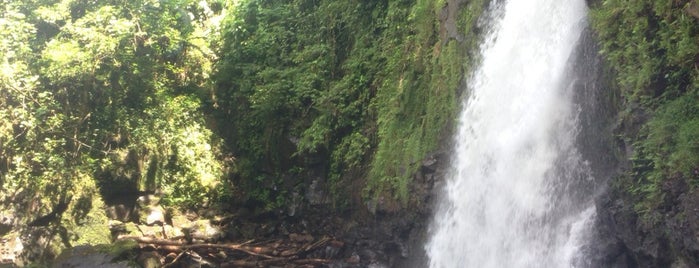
<point>150,210</point>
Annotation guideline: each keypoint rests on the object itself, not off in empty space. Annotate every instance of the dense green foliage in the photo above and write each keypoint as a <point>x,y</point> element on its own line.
<point>204,101</point>
<point>338,86</point>
<point>418,93</point>
<point>100,99</point>
<point>654,48</point>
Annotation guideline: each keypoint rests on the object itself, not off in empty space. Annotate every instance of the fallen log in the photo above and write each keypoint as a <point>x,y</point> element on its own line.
<point>254,251</point>
<point>260,255</point>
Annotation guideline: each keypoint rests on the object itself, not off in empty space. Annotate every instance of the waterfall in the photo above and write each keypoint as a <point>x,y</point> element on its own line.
<point>514,196</point>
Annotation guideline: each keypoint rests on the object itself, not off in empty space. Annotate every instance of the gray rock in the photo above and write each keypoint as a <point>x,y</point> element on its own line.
<point>87,257</point>
<point>315,194</point>
<point>204,230</point>
<point>148,200</point>
<point>152,215</point>
<point>171,231</point>
<point>149,259</point>
<point>152,231</point>
<point>156,215</point>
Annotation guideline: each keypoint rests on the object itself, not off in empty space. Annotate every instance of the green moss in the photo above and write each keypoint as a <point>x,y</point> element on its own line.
<point>118,248</point>
<point>131,228</point>
<point>418,96</point>
<point>673,136</point>
<point>652,47</point>
<point>651,44</point>
<point>369,87</point>
<point>85,218</point>
<point>93,230</point>
<point>668,149</point>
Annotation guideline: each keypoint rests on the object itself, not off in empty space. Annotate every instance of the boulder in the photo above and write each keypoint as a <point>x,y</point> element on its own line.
<point>156,215</point>
<point>88,256</point>
<point>148,200</point>
<point>152,231</point>
<point>203,230</point>
<point>171,231</point>
<point>152,215</point>
<point>149,259</point>
<point>315,194</point>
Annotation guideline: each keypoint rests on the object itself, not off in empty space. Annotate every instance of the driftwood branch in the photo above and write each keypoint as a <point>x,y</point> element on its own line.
<point>260,254</point>
<point>174,262</point>
<point>172,244</point>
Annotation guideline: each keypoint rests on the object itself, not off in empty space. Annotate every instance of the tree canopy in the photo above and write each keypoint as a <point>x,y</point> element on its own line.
<point>103,98</point>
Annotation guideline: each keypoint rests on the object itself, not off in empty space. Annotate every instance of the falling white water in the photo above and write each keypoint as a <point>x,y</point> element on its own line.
<point>510,198</point>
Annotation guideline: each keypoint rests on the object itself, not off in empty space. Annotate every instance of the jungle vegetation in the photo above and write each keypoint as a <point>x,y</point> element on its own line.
<point>653,50</point>
<point>214,102</point>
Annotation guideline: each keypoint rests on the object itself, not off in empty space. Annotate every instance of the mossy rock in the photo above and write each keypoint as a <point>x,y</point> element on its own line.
<point>151,215</point>
<point>118,248</point>
<point>171,231</point>
<point>132,228</point>
<point>203,229</point>
<point>91,226</point>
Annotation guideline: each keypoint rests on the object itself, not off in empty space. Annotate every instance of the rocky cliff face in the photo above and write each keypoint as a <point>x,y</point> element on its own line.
<point>629,235</point>
<point>625,235</point>
<point>599,104</point>
<point>668,240</point>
